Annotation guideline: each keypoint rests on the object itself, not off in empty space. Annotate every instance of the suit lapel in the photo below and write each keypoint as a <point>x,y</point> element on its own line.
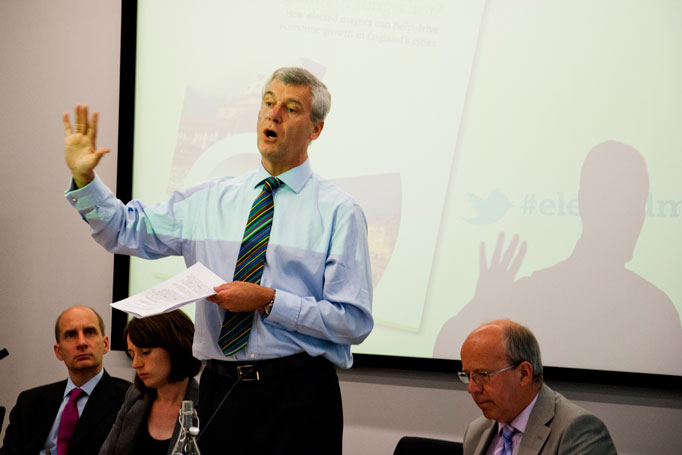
<point>95,409</point>
<point>49,403</point>
<point>537,430</point>
<point>137,412</point>
<point>486,436</point>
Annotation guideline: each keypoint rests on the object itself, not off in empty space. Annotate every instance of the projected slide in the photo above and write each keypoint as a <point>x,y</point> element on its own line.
<point>512,162</point>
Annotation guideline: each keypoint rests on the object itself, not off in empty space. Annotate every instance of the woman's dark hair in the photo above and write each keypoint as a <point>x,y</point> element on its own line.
<point>173,332</point>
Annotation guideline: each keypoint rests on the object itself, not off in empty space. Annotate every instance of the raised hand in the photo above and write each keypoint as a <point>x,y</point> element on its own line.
<point>81,153</point>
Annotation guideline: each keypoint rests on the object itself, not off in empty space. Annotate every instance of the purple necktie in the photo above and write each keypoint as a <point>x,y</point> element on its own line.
<point>68,421</point>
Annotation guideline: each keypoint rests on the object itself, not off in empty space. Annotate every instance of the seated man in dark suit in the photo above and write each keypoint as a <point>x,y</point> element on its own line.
<point>501,365</point>
<point>73,416</point>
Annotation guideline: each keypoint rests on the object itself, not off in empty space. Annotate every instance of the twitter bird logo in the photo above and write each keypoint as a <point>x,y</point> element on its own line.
<point>490,209</point>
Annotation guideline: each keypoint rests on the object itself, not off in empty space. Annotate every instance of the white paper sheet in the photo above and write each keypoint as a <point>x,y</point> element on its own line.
<point>188,286</point>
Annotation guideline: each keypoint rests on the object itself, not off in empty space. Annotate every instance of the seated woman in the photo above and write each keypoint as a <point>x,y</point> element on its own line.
<point>161,350</point>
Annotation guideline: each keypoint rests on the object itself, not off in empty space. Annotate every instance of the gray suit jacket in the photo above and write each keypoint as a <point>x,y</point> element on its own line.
<point>131,420</point>
<point>555,426</point>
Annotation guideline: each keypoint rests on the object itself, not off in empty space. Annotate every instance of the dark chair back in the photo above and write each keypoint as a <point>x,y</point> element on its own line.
<point>412,445</point>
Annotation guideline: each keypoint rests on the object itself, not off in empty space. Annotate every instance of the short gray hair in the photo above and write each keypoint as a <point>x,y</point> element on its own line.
<point>322,100</point>
<point>520,345</point>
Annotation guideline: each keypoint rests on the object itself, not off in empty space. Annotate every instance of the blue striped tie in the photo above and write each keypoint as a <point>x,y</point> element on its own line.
<point>234,334</point>
<point>508,433</point>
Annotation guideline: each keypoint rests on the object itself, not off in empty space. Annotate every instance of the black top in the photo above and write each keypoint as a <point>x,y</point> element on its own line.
<point>147,445</point>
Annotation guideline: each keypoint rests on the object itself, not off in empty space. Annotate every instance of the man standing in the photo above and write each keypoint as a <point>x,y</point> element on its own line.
<point>72,416</point>
<point>292,249</point>
<point>502,366</point>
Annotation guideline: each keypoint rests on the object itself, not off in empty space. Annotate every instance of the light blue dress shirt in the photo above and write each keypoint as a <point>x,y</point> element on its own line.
<point>317,257</point>
<point>88,387</point>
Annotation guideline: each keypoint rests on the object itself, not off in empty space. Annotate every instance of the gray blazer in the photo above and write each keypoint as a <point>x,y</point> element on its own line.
<point>131,417</point>
<point>555,426</point>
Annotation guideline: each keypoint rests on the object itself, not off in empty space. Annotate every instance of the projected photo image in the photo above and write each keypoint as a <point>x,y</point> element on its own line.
<point>210,106</point>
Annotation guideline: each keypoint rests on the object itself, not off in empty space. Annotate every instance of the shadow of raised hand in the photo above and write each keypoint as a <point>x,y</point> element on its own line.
<point>495,281</point>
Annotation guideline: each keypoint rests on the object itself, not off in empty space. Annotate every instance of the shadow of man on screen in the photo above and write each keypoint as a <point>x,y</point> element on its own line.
<point>587,311</point>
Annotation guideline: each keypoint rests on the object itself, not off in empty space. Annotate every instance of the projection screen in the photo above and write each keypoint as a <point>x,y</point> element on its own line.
<point>513,159</point>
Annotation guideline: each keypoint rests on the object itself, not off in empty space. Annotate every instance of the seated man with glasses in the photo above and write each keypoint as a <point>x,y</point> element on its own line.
<point>521,415</point>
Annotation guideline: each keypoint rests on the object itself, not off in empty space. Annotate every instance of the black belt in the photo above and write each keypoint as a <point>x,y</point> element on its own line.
<point>260,370</point>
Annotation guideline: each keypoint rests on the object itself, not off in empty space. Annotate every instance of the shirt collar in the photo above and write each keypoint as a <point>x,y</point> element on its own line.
<point>88,387</point>
<point>520,421</point>
<point>294,178</point>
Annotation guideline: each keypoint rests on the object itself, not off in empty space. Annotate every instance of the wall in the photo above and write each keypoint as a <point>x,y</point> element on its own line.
<point>56,54</point>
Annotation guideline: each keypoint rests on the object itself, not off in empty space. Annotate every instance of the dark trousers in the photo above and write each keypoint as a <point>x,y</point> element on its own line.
<point>282,406</point>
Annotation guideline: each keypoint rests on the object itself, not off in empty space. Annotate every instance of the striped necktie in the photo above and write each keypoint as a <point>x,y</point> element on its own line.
<point>508,433</point>
<point>234,333</point>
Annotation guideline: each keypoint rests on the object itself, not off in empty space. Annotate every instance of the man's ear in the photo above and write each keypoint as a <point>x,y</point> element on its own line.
<point>525,370</point>
<point>58,352</point>
<point>317,129</point>
<point>106,344</point>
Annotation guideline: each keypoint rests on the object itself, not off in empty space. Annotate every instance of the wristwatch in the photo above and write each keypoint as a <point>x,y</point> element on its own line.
<point>268,306</point>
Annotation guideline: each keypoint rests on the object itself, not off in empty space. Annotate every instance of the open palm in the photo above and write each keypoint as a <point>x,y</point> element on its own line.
<point>80,150</point>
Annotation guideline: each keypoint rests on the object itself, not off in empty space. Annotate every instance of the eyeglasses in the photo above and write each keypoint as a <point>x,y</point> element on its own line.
<point>480,377</point>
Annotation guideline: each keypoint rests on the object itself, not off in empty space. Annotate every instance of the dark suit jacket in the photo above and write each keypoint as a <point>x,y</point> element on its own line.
<point>131,420</point>
<point>33,415</point>
<point>555,426</point>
